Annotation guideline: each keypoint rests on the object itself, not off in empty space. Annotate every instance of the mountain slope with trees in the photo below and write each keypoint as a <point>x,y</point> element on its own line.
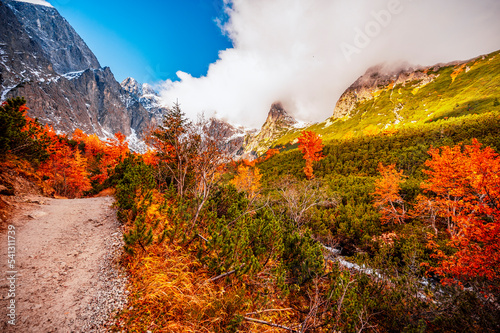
<point>386,220</point>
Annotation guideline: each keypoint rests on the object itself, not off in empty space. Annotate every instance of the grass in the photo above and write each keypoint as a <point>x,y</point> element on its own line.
<point>457,91</point>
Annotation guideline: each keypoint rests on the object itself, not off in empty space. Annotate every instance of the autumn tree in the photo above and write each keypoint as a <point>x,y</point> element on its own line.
<point>208,162</point>
<point>311,146</point>
<point>102,155</point>
<point>150,158</point>
<point>464,187</point>
<point>175,144</point>
<point>247,179</point>
<point>66,169</point>
<point>298,197</point>
<point>190,155</point>
<point>270,153</point>
<point>387,197</point>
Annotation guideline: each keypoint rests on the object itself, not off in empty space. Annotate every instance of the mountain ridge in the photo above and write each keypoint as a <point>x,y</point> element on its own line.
<point>383,102</point>
<point>62,45</point>
<point>90,98</point>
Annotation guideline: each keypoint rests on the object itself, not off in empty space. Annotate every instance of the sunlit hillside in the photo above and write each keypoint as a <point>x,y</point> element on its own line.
<point>456,90</point>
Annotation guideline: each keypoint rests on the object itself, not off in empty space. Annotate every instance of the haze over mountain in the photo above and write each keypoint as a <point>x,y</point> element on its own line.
<point>306,53</point>
<point>292,72</point>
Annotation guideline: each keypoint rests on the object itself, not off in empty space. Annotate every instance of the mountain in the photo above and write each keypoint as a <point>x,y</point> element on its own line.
<point>43,59</point>
<point>146,96</point>
<point>64,48</point>
<point>232,138</point>
<point>366,87</point>
<point>277,124</point>
<point>389,97</point>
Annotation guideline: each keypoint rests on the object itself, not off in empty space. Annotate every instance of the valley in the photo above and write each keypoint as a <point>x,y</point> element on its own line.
<point>131,215</point>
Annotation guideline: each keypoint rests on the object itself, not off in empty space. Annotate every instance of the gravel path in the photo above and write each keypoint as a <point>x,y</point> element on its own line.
<point>66,256</point>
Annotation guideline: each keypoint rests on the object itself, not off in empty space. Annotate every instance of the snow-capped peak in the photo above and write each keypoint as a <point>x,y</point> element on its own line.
<point>37,2</point>
<point>132,86</point>
<point>147,89</point>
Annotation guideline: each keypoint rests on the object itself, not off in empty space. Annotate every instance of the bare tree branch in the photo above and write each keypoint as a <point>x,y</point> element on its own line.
<point>258,321</point>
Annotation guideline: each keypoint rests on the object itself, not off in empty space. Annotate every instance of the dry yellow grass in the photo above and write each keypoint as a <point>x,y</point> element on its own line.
<point>106,192</point>
<point>170,291</point>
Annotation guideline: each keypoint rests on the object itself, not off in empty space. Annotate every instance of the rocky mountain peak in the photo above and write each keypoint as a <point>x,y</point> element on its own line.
<point>278,122</point>
<point>276,110</point>
<point>278,114</point>
<point>220,128</point>
<point>136,89</point>
<point>44,60</point>
<point>147,89</point>
<point>375,80</point>
<point>145,96</point>
<point>132,86</point>
<point>62,46</point>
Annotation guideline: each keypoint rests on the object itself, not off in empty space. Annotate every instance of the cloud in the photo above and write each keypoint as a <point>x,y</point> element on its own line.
<point>305,53</point>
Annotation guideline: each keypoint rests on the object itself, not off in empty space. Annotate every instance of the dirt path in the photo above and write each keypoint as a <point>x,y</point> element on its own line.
<point>67,276</point>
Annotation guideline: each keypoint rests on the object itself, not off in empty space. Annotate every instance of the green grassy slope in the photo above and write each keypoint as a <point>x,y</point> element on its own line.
<point>471,87</point>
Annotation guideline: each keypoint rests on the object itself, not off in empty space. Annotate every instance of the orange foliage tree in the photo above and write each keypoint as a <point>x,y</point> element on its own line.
<point>68,165</point>
<point>74,164</point>
<point>464,187</point>
<point>102,156</point>
<point>387,197</point>
<point>311,145</point>
<point>151,158</point>
<point>270,153</point>
<point>66,169</point>
<point>247,179</point>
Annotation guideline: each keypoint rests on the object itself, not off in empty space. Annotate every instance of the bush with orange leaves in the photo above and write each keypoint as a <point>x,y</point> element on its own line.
<point>247,179</point>
<point>77,165</point>
<point>311,145</point>
<point>463,187</point>
<point>66,169</point>
<point>21,135</point>
<point>67,166</point>
<point>387,197</point>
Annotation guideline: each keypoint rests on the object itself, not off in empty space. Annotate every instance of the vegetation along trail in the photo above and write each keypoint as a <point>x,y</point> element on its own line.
<point>67,278</point>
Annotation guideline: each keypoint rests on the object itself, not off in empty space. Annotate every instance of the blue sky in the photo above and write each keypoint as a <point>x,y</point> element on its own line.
<point>149,40</point>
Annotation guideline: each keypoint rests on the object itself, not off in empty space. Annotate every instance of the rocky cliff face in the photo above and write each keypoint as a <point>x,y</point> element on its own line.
<point>62,46</point>
<point>231,138</point>
<point>62,81</point>
<point>377,78</point>
<point>21,59</point>
<point>146,96</point>
<point>278,122</point>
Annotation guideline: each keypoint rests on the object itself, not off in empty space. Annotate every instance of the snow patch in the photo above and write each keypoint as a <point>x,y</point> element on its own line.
<point>37,2</point>
<point>299,124</point>
<point>135,144</point>
<point>73,75</point>
<point>6,91</point>
<point>235,136</point>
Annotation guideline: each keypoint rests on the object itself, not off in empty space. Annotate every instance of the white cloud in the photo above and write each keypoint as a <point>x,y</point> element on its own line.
<point>295,51</point>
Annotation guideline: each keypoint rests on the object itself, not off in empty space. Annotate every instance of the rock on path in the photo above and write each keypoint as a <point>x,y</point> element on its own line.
<point>68,278</point>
